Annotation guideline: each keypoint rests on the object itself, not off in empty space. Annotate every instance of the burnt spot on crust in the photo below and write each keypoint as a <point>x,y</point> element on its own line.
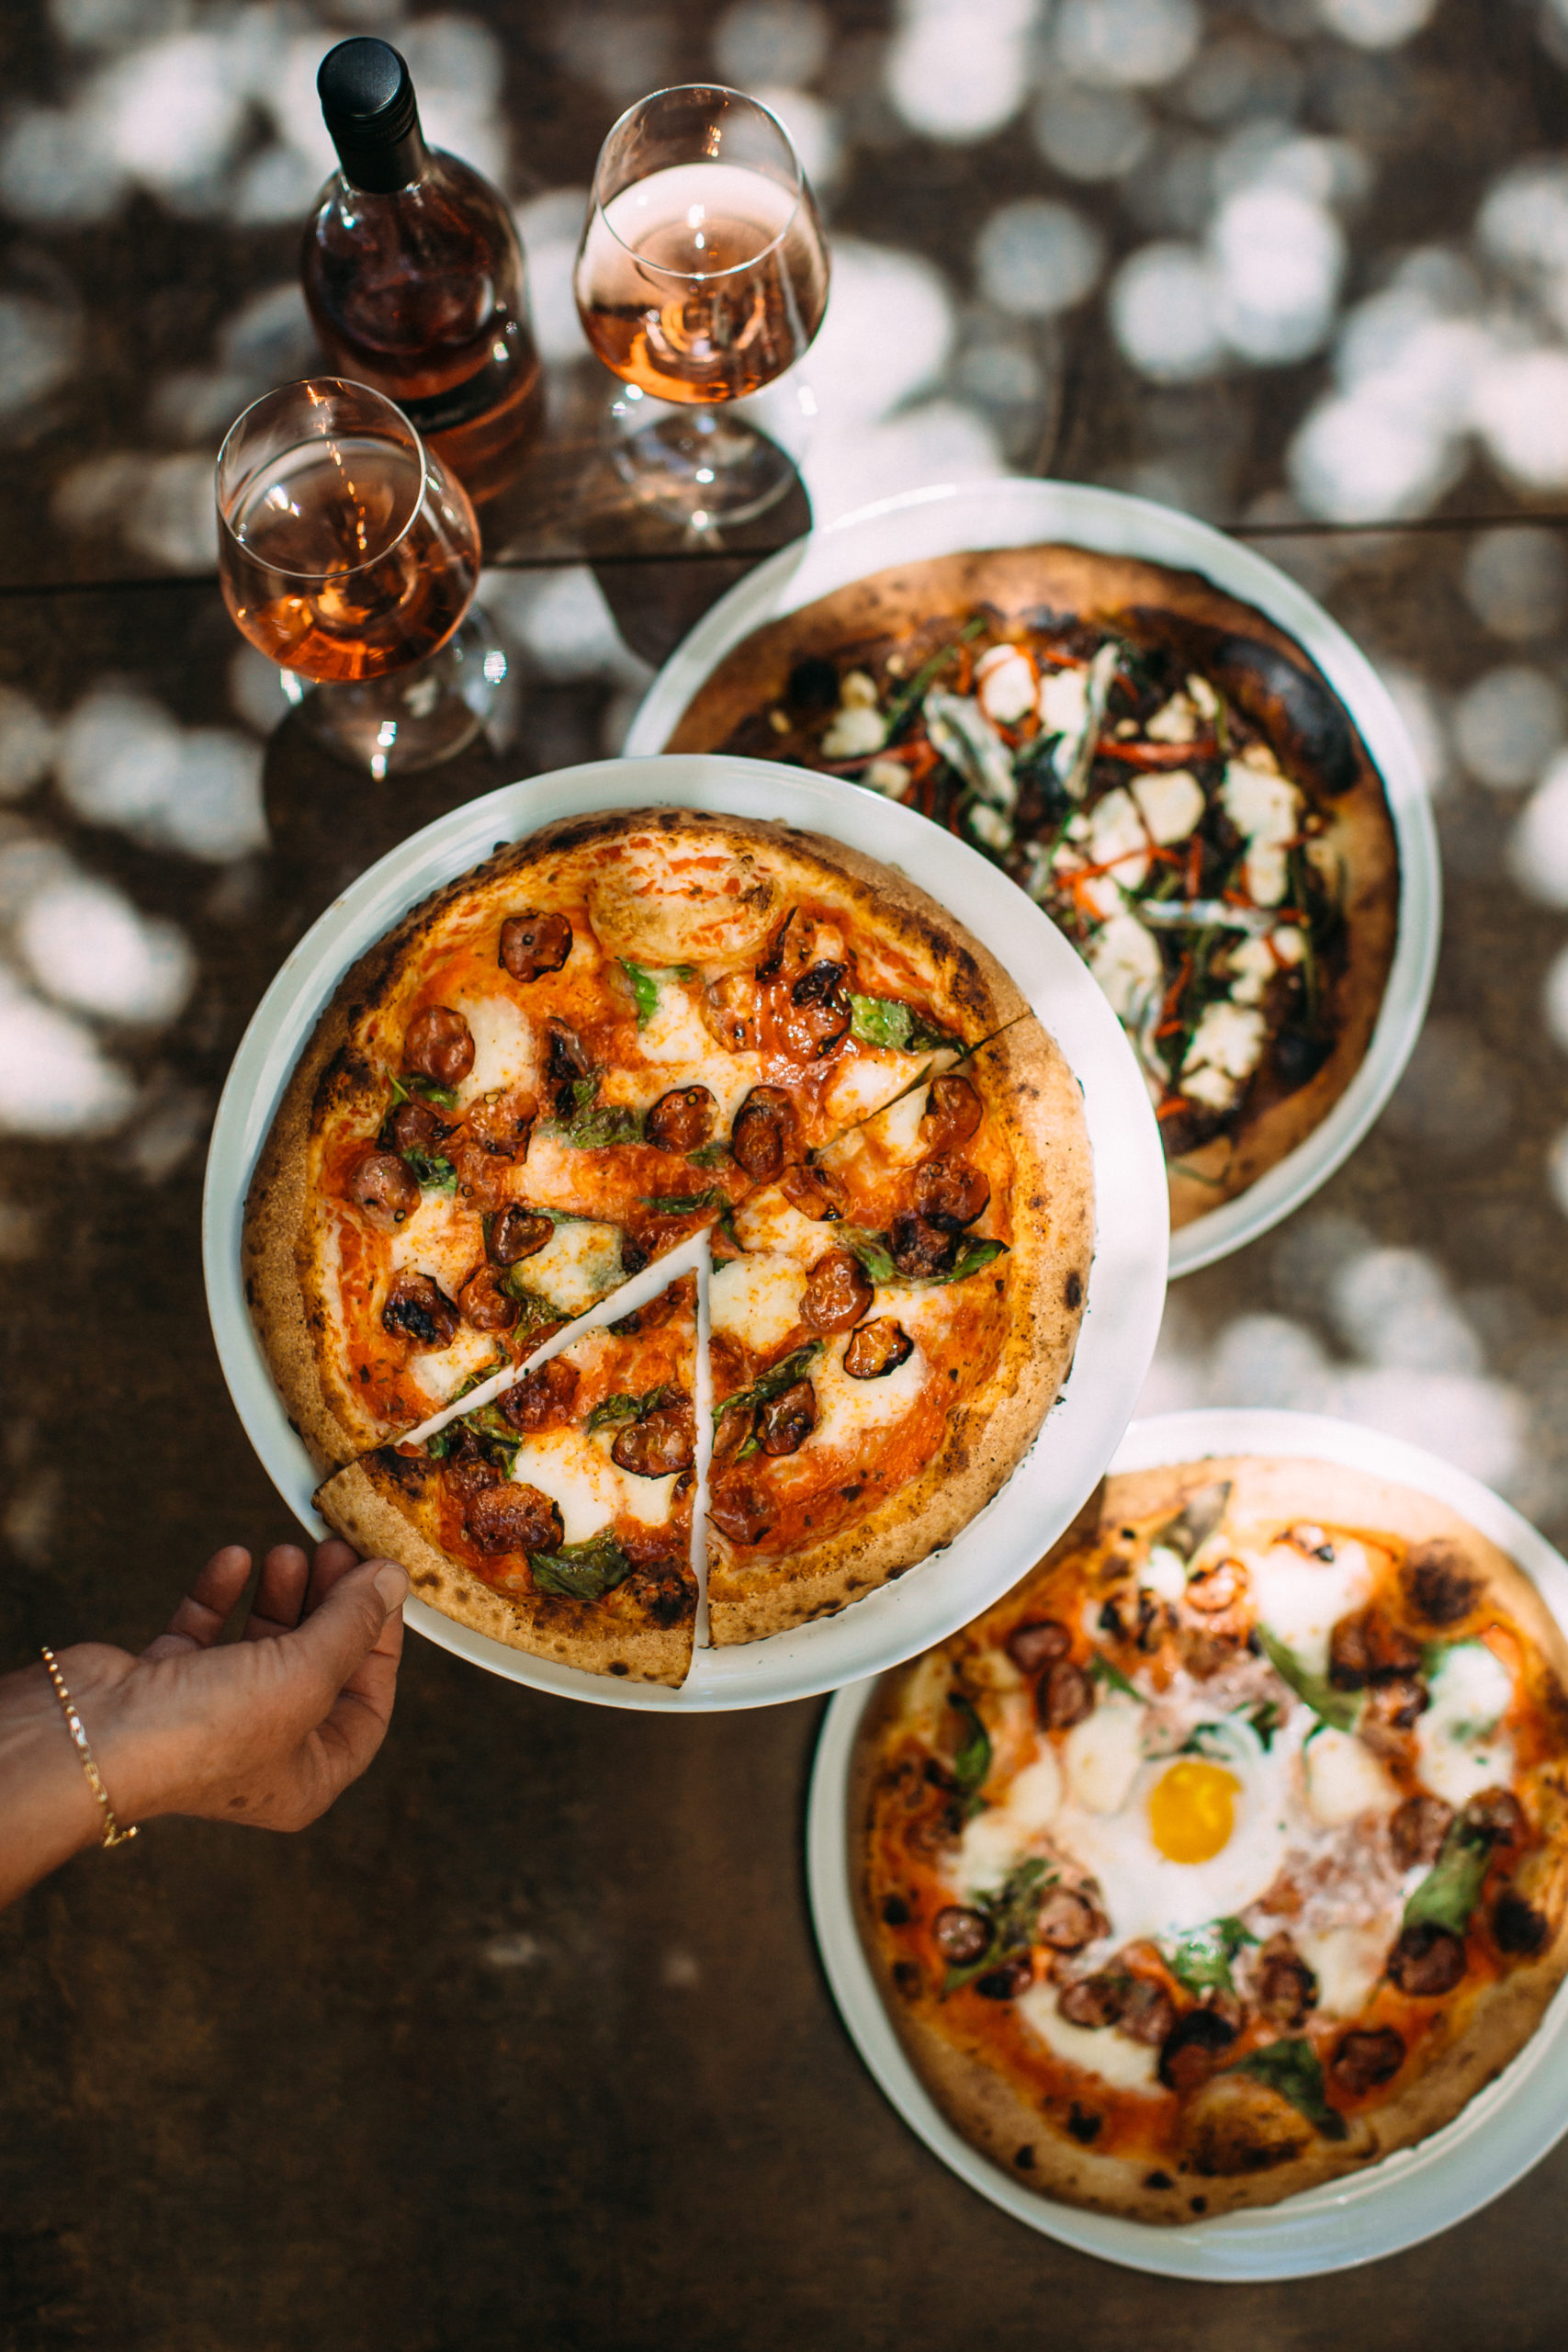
<point>1084,2126</point>
<point>1517,1927</point>
<point>1438,1586</point>
<point>1024,2160</point>
<point>1072,1290</point>
<point>1158,2180</point>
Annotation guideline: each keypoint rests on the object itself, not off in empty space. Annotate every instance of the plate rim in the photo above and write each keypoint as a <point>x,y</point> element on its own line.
<point>1117,522</point>
<point>1516,2119</point>
<point>1127,1276</point>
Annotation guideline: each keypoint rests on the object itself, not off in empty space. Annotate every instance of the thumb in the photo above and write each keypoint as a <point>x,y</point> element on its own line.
<point>342,1631</point>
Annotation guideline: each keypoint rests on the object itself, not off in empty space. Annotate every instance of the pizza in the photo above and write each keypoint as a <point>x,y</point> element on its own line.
<point>622,1033</point>
<point>1229,1852</point>
<point>1156,764</point>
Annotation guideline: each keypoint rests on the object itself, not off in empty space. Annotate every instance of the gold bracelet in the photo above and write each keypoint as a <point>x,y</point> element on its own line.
<point>113,1834</point>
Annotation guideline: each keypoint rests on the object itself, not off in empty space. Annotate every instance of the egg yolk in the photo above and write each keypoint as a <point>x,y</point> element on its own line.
<point>1192,1810</point>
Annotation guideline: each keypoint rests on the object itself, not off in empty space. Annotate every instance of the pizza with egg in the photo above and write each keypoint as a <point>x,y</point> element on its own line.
<point>1229,1853</point>
<point>1157,765</point>
<point>622,1031</point>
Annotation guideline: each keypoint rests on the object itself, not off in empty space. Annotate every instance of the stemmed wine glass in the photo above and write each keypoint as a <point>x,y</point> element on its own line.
<point>349,556</point>
<point>700,278</point>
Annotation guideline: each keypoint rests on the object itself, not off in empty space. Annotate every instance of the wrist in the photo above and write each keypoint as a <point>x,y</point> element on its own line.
<point>49,1812</point>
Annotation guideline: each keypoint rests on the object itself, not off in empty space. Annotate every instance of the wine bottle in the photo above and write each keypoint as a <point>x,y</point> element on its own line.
<point>414,277</point>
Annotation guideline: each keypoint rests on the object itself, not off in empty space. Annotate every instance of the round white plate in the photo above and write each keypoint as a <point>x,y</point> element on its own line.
<point>1506,2128</point>
<point>1126,1285</point>
<point>949,521</point>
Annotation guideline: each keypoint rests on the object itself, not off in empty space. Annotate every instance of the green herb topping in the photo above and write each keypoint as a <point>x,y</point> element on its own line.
<point>582,1571</point>
<point>1294,2069</point>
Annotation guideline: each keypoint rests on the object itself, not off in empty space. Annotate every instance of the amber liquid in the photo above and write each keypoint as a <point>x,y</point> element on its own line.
<point>326,573</point>
<point>703,282</point>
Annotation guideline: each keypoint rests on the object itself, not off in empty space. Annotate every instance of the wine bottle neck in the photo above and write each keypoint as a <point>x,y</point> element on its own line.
<point>380,166</point>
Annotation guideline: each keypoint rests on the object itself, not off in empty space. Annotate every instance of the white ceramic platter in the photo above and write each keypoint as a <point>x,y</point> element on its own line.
<point>1126,1282</point>
<point>949,521</point>
<point>1411,2196</point>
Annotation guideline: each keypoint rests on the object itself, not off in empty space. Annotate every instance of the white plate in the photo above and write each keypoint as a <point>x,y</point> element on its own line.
<point>1506,2128</point>
<point>1126,1284</point>
<point>948,521</point>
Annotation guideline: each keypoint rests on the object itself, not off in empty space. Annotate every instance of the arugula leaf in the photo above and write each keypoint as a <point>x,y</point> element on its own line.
<point>903,704</point>
<point>684,1203</point>
<point>1339,1709</point>
<point>433,1175</point>
<point>871,1249</point>
<point>536,1309</point>
<point>1112,1677</point>
<point>1200,1958</point>
<point>1452,1888</point>
<point>582,1571</point>
<point>416,1085</point>
<point>595,1128</point>
<point>885,1020</point>
<point>711,1155</point>
<point>972,1259</point>
<point>1265,1719</point>
<point>645,989</point>
<point>627,1407</point>
<point>1013,1913</point>
<point>771,1384</point>
<point>973,1761</point>
<point>1294,2069</point>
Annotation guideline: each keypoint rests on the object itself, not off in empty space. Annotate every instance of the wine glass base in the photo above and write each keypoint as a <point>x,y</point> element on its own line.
<point>703,466</point>
<point>413,718</point>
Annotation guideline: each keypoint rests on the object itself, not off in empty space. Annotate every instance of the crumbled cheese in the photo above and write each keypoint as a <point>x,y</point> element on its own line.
<point>1262,805</point>
<point>1252,967</point>
<point>888,776</point>
<point>1172,804</point>
<point>1174,721</point>
<point>1116,833</point>
<point>1063,701</point>
<point>1005,685</point>
<point>856,730</point>
<point>857,691</point>
<point>989,825</point>
<point>1125,960</point>
<point>1226,1046</point>
<point>1203,694</point>
<point>1289,943</point>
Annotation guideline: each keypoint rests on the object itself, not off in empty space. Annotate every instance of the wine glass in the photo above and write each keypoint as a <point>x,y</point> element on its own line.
<point>700,278</point>
<point>349,556</point>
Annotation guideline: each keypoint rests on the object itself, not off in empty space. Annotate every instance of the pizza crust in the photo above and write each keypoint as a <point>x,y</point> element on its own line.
<point>910,598</point>
<point>990,2110</point>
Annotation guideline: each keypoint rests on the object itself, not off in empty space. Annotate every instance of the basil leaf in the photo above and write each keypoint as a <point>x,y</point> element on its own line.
<point>1201,1957</point>
<point>1112,1677</point>
<point>645,989</point>
<point>536,1310</point>
<point>1265,1719</point>
<point>773,1383</point>
<point>1294,2069</point>
<point>710,1155</point>
<point>973,1761</point>
<point>595,1128</point>
<point>885,1020</point>
<point>871,1249</point>
<point>1452,1888</point>
<point>1195,1522</point>
<point>444,1097</point>
<point>684,1203</point>
<point>973,1259</point>
<point>627,1407</point>
<point>582,1571</point>
<point>1339,1709</point>
<point>433,1175</point>
<point>1013,1913</point>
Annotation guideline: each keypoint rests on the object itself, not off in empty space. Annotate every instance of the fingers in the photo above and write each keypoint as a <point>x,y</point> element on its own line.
<point>207,1608</point>
<point>280,1593</point>
<point>338,1635</point>
<point>356,1724</point>
<point>332,1560</point>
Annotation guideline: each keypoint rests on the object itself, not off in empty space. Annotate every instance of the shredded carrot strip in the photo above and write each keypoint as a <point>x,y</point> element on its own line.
<point>1173,1104</point>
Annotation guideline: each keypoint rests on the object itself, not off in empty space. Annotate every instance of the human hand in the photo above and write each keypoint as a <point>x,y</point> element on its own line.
<point>269,1729</point>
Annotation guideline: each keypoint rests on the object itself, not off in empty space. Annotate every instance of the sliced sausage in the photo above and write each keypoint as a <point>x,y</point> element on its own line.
<point>533,943</point>
<point>1365,2060</point>
<point>950,1192</point>
<point>516,1233</point>
<point>1004,1984</point>
<point>535,1401</point>
<point>918,1248</point>
<point>385,1187</point>
<point>682,1120</point>
<point>952,1114</point>
<point>1218,1588</point>
<point>1368,1648</point>
<point>413,1126</point>
<point>1065,1696</point>
<point>785,1423</point>
<point>486,1307</point>
<point>468,1470</point>
<point>837,1293</point>
<point>418,1308</point>
<point>814,1191</point>
<point>1193,2048</point>
<point>1437,1585</point>
<point>962,1935</point>
<point>1427,1960</point>
<point>1148,2013</point>
<point>659,1444</point>
<point>1390,1711</point>
<point>1093,2001</point>
<point>763,1136</point>
<point>566,1065</point>
<point>1068,1921</point>
<point>1036,1642</point>
<point>1517,1927</point>
<point>512,1518</point>
<point>1286,1988</point>
<point>1417,1829</point>
<point>877,1349</point>
<point>438,1044</point>
<point>1498,1814</point>
<point>736,1423</point>
<point>730,1010</point>
<point>738,1509</point>
<point>818,1014</point>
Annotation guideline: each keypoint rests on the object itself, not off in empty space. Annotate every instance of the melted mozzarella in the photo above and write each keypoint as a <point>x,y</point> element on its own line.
<point>1103,1753</point>
<point>439,1240</point>
<point>1164,1573</point>
<point>1064,701</point>
<point>862,1086</point>
<point>1126,962</point>
<point>1034,1797</point>
<point>757,1300</point>
<point>1126,2064</point>
<point>675,1030</point>
<point>1461,1746</point>
<point>1344,1779</point>
<point>1172,804</point>
<point>1301,1599</point>
<point>577,1472</point>
<point>1347,1962</point>
<point>769,1224</point>
<point>578,1266</point>
<point>847,1410</point>
<point>997,1838</point>
<point>504,1047</point>
<point>439,1373</point>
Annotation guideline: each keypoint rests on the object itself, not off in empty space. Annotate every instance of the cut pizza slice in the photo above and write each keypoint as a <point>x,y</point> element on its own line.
<point>558,1515</point>
<point>889,1331</point>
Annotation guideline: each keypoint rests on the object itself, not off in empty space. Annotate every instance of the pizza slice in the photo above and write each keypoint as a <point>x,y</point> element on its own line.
<point>557,1516</point>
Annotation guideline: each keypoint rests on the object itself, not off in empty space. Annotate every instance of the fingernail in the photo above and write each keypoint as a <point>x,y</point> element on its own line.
<point>393,1585</point>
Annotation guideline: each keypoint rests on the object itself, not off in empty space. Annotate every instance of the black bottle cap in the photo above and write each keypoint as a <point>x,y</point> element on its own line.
<point>367,101</point>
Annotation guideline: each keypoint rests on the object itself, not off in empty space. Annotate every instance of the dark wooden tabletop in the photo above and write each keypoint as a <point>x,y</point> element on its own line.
<point>527,2043</point>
